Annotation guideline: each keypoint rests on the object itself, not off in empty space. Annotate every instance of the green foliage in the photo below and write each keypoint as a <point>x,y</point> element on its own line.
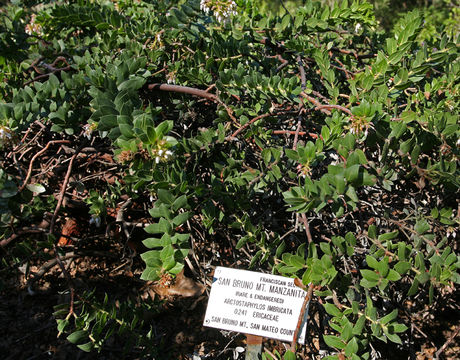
<point>91,322</point>
<point>374,116</point>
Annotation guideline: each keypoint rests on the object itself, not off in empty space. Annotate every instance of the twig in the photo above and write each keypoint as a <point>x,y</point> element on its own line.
<point>52,69</point>
<point>247,124</point>
<point>315,102</point>
<point>303,217</point>
<point>29,172</point>
<point>354,53</point>
<point>296,135</point>
<point>53,262</point>
<point>303,79</point>
<point>24,231</point>
<point>45,268</point>
<point>63,189</point>
<point>449,340</point>
<point>325,107</point>
<point>338,107</point>
<point>254,120</point>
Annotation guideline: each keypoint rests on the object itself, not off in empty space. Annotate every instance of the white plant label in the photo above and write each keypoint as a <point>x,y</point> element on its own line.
<point>255,303</point>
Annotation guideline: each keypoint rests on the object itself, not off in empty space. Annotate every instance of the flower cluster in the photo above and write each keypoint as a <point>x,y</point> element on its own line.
<point>156,43</point>
<point>171,77</point>
<point>162,155</point>
<point>32,28</point>
<point>88,130</point>
<point>221,9</point>
<point>6,136</point>
<point>303,170</point>
<point>360,125</point>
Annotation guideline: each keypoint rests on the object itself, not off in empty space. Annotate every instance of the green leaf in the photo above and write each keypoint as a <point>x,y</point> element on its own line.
<point>179,203</point>
<point>347,331</point>
<point>150,274</point>
<point>391,316</point>
<point>36,188</point>
<point>392,337</point>
<point>78,336</point>
<point>166,196</point>
<point>358,328</point>
<point>297,261</point>
<point>151,258</point>
<point>179,238</point>
<point>397,328</point>
<point>86,347</point>
<point>402,267</point>
<point>126,130</point>
<point>372,262</point>
<point>339,184</point>
<point>388,236</point>
<point>398,129</point>
<point>107,122</point>
<point>393,275</point>
<point>242,242</point>
<point>370,275</point>
<point>289,355</point>
<point>160,211</point>
<point>155,242</point>
<point>131,84</point>
<point>372,232</point>
<point>334,342</point>
<point>414,287</point>
<point>159,228</point>
<point>331,309</point>
<point>181,218</point>
<point>352,347</point>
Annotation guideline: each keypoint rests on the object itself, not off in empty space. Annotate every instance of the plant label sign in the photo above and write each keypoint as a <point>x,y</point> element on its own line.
<point>255,303</point>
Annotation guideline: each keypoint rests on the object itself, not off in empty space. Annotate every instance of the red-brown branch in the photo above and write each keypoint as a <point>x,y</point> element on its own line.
<point>249,123</point>
<point>325,107</point>
<point>20,233</point>
<point>50,67</point>
<point>292,132</point>
<point>192,91</point>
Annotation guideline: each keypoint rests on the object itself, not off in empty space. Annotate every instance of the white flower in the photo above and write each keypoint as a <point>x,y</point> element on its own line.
<point>171,77</point>
<point>221,9</point>
<point>157,159</point>
<point>6,135</point>
<point>33,28</point>
<point>357,27</point>
<point>87,131</point>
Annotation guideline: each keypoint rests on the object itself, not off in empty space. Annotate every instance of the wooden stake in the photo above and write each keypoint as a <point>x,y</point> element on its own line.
<point>253,347</point>
<point>304,309</point>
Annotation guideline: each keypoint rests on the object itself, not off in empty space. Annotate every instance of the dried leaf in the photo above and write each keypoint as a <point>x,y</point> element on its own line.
<point>181,286</point>
<point>69,230</point>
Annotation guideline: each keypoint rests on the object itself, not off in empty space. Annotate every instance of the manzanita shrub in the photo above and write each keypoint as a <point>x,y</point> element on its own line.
<point>313,143</point>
